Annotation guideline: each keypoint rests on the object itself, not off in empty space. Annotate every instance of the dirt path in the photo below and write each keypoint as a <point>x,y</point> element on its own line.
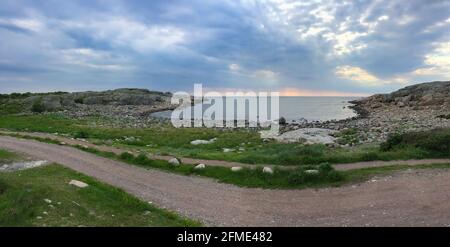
<point>341,167</point>
<point>410,198</point>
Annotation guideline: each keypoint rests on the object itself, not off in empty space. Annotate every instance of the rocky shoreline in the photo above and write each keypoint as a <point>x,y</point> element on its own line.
<point>418,107</point>
<point>415,108</point>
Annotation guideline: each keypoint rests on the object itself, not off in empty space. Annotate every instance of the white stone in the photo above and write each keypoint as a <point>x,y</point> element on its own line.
<point>312,171</point>
<point>174,161</point>
<point>78,184</point>
<point>236,168</point>
<point>201,142</point>
<point>228,150</point>
<point>22,165</point>
<point>268,170</point>
<point>308,135</point>
<point>48,201</point>
<point>200,166</point>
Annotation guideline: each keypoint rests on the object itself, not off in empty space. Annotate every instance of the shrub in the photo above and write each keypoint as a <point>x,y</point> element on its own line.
<point>126,156</point>
<point>370,156</point>
<point>435,141</point>
<point>297,177</point>
<point>37,107</point>
<point>81,134</point>
<point>2,187</point>
<point>142,159</point>
<point>326,173</point>
<point>334,176</point>
<point>325,168</point>
<point>391,142</point>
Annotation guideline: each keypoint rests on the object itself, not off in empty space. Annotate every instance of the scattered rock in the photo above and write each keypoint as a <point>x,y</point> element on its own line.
<point>308,136</point>
<point>312,171</point>
<point>48,201</point>
<point>174,161</point>
<point>202,142</point>
<point>268,170</point>
<point>18,166</point>
<point>236,168</point>
<point>228,150</point>
<point>200,166</point>
<point>78,184</point>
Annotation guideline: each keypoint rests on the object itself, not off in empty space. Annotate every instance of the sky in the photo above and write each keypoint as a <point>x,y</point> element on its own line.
<point>321,48</point>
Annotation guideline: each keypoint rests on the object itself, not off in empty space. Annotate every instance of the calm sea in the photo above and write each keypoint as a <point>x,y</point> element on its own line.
<point>309,108</point>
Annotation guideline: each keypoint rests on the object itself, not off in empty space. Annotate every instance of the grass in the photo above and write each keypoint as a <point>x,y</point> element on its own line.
<point>251,178</point>
<point>435,142</point>
<point>23,197</point>
<point>165,139</point>
<point>7,157</point>
<point>361,175</point>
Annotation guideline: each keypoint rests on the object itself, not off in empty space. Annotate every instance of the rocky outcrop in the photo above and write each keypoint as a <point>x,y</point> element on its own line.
<point>418,107</point>
<point>120,103</point>
<point>430,95</point>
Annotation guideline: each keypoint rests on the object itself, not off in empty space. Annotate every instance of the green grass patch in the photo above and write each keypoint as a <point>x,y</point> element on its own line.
<point>7,157</point>
<point>23,195</point>
<point>247,145</point>
<point>297,178</point>
<point>361,175</point>
<point>435,142</point>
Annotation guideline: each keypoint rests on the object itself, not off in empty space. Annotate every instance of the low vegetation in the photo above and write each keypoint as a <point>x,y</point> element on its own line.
<point>246,144</point>
<point>42,197</point>
<point>434,143</point>
<point>6,156</point>
<point>252,178</point>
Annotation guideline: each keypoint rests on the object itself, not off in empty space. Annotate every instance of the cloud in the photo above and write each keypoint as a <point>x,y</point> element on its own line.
<point>234,67</point>
<point>265,74</point>
<point>93,59</point>
<point>437,62</point>
<point>322,46</point>
<point>358,75</point>
<point>259,74</point>
<point>25,24</point>
<point>122,31</point>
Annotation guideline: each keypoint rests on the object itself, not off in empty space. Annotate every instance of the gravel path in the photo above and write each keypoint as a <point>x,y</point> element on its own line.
<point>410,198</point>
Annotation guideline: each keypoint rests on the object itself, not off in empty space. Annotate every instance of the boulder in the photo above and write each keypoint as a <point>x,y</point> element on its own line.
<point>201,142</point>
<point>268,170</point>
<point>51,103</point>
<point>174,161</point>
<point>78,184</point>
<point>236,168</point>
<point>200,166</point>
<point>308,135</point>
<point>312,171</point>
